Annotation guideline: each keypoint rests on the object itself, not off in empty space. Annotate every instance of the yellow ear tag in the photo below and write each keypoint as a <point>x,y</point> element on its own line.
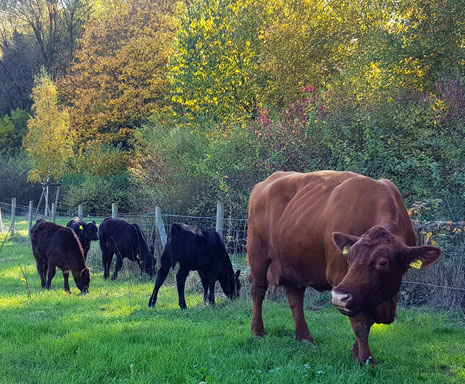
<point>416,264</point>
<point>81,227</point>
<point>345,251</point>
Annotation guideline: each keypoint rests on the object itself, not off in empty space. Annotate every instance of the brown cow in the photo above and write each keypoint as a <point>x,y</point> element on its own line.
<point>331,230</point>
<point>57,246</point>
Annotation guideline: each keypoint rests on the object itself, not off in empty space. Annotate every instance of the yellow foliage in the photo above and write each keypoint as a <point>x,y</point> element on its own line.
<point>49,141</point>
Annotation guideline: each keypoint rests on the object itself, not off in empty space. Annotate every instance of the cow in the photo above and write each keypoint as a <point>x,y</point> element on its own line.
<point>125,240</point>
<point>337,231</point>
<point>57,246</point>
<point>202,250</point>
<point>86,232</point>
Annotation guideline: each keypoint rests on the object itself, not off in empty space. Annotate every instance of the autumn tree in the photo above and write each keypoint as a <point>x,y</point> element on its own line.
<point>212,71</point>
<point>49,141</point>
<point>120,76</point>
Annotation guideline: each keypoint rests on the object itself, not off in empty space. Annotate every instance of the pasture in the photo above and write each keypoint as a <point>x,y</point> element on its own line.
<point>111,336</point>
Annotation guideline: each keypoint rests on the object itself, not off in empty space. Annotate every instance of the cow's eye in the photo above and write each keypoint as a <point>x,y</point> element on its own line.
<point>382,263</point>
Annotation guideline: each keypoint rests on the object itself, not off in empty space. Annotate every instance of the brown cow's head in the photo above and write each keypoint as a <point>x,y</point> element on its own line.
<point>82,279</point>
<point>376,264</point>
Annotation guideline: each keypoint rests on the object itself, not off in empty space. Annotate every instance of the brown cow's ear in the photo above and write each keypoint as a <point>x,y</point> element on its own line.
<point>344,242</point>
<point>422,257</point>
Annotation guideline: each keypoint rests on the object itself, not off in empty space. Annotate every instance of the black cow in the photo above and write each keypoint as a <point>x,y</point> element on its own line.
<point>125,240</point>
<point>57,246</point>
<point>86,232</point>
<point>197,249</point>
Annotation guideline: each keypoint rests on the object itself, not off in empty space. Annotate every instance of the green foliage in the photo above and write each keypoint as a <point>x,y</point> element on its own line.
<point>96,193</point>
<point>13,128</point>
<point>213,65</point>
<point>13,180</point>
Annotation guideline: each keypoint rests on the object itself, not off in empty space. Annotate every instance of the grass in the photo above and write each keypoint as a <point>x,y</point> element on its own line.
<point>111,336</point>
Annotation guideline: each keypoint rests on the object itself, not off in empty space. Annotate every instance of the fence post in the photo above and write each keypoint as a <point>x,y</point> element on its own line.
<point>114,210</point>
<point>160,226</point>
<point>29,218</point>
<point>13,214</point>
<point>219,218</point>
<point>54,212</point>
<point>1,221</point>
<point>80,215</point>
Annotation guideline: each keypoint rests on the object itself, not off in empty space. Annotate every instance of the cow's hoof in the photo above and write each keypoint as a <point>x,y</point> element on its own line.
<point>305,337</point>
<point>261,333</point>
<point>366,361</point>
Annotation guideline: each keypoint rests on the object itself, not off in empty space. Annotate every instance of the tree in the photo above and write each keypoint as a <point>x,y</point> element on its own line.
<point>13,128</point>
<point>212,70</point>
<point>49,141</point>
<point>120,78</point>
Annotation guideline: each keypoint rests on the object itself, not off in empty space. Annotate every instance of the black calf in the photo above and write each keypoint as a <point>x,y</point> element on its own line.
<point>197,249</point>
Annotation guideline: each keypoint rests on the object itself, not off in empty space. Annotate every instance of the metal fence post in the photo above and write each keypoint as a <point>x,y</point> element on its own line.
<point>13,214</point>
<point>54,212</point>
<point>80,215</point>
<point>29,218</point>
<point>219,218</point>
<point>114,210</point>
<point>160,226</point>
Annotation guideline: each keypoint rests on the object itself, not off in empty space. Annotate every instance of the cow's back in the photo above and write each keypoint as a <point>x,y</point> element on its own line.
<point>112,233</point>
<point>194,246</point>
<point>292,216</point>
<point>52,240</point>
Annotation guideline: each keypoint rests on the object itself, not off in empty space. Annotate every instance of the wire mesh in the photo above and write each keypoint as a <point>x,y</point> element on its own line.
<point>442,285</point>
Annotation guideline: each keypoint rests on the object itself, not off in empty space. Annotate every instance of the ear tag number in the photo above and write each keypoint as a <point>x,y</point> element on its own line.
<point>345,251</point>
<point>416,264</point>
<point>81,227</point>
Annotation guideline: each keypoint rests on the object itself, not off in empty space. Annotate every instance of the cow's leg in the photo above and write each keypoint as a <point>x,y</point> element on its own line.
<point>66,279</point>
<point>361,325</point>
<point>181,277</point>
<point>42,270</point>
<point>107,259</point>
<point>51,270</point>
<point>211,295</point>
<point>204,281</point>
<point>161,276</point>
<point>118,265</point>
<point>296,301</point>
<point>258,287</point>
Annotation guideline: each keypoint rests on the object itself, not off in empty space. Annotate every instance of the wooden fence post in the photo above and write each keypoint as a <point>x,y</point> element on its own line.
<point>80,215</point>
<point>114,210</point>
<point>13,214</point>
<point>219,218</point>
<point>1,221</point>
<point>29,218</point>
<point>54,212</point>
<point>160,226</point>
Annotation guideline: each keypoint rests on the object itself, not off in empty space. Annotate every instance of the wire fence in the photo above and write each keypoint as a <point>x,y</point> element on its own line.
<point>441,286</point>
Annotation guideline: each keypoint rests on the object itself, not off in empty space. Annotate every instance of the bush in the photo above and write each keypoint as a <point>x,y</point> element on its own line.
<point>97,193</point>
<point>13,176</point>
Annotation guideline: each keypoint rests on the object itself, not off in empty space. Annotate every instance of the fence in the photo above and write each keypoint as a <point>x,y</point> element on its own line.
<point>442,285</point>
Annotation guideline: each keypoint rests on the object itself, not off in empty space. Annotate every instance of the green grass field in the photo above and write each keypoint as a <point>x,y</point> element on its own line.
<point>111,336</point>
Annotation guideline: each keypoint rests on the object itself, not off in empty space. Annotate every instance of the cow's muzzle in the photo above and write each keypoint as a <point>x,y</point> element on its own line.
<point>343,301</point>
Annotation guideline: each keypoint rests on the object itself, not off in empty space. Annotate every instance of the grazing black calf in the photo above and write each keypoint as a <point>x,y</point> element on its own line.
<point>125,240</point>
<point>57,246</point>
<point>197,249</point>
<point>86,232</point>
